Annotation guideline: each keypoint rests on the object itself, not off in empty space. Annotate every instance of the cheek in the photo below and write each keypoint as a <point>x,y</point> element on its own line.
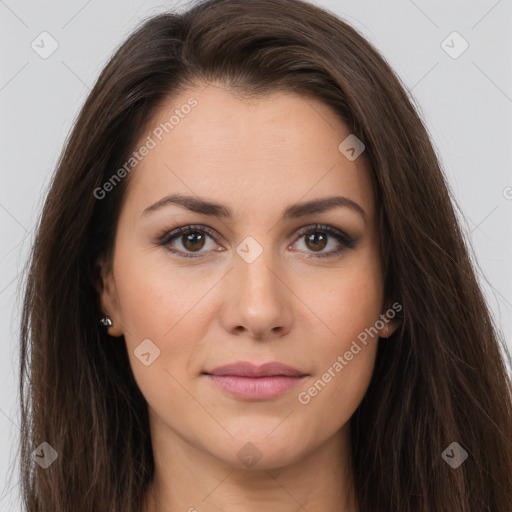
<point>344,365</point>
<point>329,399</point>
<point>347,301</point>
<point>156,299</point>
<point>344,352</point>
<point>170,306</point>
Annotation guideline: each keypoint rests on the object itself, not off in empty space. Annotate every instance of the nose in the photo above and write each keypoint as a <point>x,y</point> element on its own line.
<point>257,299</point>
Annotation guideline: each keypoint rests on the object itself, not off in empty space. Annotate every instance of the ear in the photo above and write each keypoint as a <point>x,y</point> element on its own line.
<point>391,319</point>
<point>108,298</point>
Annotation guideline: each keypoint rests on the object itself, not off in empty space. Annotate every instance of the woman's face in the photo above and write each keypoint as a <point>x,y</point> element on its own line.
<point>253,280</point>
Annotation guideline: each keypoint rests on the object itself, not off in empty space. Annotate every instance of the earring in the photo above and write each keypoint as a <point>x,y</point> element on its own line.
<point>106,322</point>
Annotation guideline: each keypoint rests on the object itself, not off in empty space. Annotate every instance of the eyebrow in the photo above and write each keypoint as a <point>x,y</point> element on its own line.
<point>294,211</point>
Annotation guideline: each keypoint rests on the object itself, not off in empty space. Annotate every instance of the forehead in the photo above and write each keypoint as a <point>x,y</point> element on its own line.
<point>274,149</point>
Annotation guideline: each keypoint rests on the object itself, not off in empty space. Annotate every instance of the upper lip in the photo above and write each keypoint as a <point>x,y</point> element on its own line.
<point>246,369</point>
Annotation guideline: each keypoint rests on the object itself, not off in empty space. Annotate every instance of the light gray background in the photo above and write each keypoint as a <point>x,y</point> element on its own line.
<point>466,103</point>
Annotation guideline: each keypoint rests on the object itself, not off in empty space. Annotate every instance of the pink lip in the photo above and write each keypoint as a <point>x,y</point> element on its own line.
<point>245,380</point>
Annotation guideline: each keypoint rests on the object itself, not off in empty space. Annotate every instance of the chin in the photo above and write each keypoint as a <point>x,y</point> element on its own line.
<point>259,451</point>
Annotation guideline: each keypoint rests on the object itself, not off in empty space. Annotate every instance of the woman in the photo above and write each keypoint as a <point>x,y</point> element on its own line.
<point>249,290</point>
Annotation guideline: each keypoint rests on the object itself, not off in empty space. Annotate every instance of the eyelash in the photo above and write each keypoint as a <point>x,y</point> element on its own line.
<point>346,241</point>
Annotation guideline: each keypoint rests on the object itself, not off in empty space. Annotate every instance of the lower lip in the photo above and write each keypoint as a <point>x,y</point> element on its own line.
<point>254,388</point>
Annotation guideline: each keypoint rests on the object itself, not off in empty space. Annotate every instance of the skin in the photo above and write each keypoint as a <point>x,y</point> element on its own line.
<point>256,157</point>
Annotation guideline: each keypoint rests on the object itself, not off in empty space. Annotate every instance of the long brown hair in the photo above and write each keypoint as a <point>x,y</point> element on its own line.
<point>440,378</point>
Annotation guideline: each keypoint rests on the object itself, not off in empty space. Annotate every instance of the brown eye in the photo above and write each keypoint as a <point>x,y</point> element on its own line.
<point>318,237</point>
<point>193,241</point>
<point>316,242</point>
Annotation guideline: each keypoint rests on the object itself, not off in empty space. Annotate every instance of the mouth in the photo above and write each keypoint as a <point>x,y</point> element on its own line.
<point>249,382</point>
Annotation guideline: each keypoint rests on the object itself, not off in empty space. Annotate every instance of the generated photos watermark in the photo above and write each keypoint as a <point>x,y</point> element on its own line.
<point>150,143</point>
<point>304,397</point>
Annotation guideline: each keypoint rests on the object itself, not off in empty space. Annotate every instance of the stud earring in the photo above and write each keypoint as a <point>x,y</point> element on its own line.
<point>106,322</point>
